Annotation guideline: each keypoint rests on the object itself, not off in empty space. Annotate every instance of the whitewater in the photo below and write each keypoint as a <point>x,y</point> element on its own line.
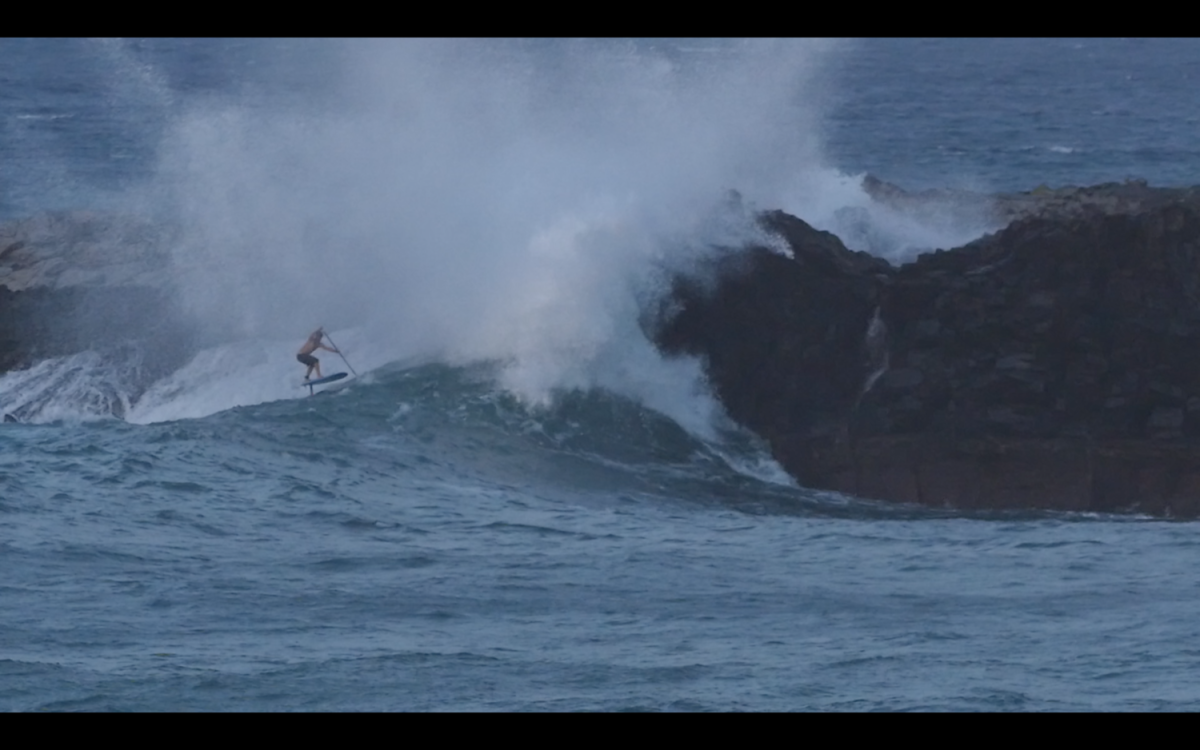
<point>520,504</point>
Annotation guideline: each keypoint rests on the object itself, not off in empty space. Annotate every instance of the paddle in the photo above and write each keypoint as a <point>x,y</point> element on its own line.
<point>343,356</point>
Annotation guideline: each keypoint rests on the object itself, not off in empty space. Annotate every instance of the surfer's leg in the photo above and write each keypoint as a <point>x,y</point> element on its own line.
<point>311,362</point>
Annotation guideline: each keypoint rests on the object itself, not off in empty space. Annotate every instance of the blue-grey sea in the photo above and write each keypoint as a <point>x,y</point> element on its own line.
<point>515,503</point>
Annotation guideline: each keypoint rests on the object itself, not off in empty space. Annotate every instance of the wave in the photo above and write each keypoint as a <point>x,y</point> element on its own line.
<point>455,428</point>
<point>83,386</point>
<point>451,432</point>
<point>462,201</point>
<point>434,415</point>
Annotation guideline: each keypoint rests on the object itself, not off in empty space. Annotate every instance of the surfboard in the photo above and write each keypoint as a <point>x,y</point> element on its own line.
<point>324,380</point>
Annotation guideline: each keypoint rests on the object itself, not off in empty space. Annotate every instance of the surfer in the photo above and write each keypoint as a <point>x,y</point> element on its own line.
<point>312,344</point>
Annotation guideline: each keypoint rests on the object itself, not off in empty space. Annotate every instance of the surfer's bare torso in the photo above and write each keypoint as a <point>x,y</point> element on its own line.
<point>313,343</point>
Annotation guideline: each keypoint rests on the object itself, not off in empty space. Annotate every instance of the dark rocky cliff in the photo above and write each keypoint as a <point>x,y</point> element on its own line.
<point>1052,364</point>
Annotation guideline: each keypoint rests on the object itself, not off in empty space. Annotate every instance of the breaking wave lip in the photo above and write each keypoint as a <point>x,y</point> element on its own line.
<point>245,373</point>
<point>79,387</point>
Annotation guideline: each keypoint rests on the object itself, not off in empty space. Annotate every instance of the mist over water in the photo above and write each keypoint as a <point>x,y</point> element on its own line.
<point>466,200</point>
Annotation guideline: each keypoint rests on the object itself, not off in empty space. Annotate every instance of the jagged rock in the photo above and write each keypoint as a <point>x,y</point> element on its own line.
<point>1054,363</point>
<point>823,296</point>
<point>69,249</point>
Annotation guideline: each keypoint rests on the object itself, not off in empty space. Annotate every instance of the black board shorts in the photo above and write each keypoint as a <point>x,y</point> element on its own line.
<point>307,359</point>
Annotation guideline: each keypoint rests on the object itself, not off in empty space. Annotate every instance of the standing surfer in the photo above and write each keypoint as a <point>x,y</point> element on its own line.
<point>312,344</point>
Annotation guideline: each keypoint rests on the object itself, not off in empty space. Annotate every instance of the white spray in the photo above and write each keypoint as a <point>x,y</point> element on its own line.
<point>501,200</point>
<point>471,200</point>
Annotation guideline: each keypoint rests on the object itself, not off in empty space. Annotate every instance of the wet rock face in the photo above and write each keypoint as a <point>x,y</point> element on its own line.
<point>1087,326</point>
<point>823,298</point>
<point>83,249</point>
<point>1053,364</point>
<point>73,282</point>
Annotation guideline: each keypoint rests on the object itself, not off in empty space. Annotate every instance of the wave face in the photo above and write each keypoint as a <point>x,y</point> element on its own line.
<point>455,426</point>
<point>433,422</point>
<point>351,549</point>
<point>408,426</point>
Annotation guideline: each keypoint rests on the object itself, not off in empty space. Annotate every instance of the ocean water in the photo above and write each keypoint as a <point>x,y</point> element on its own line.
<point>519,505</point>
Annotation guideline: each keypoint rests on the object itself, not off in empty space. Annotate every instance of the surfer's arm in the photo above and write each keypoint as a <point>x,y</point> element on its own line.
<point>326,348</point>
